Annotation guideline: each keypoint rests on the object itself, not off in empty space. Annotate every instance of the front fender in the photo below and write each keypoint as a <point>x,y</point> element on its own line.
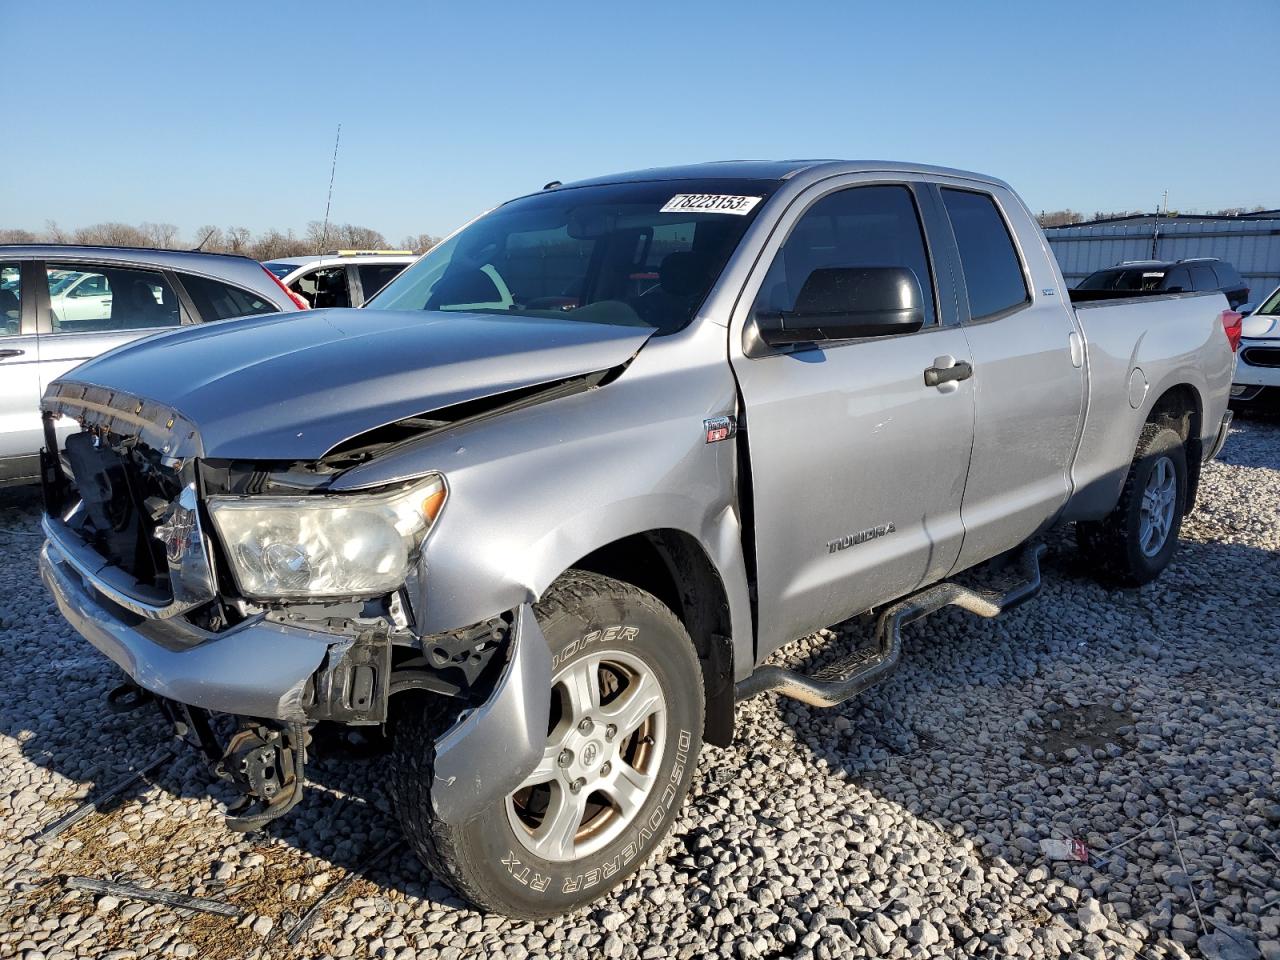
<point>490,750</point>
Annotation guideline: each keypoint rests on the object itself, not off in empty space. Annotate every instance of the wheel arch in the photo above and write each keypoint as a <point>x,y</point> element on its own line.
<point>673,566</point>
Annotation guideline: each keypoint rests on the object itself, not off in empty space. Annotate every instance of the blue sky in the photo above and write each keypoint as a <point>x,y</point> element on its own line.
<point>225,112</point>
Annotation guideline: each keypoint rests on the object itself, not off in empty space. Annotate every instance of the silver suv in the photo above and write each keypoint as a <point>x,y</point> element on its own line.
<point>61,305</point>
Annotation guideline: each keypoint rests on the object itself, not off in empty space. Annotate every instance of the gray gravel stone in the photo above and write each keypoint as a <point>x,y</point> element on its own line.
<point>903,824</point>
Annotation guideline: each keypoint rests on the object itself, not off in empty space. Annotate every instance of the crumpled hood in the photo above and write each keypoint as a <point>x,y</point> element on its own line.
<point>291,386</point>
<point>1261,327</point>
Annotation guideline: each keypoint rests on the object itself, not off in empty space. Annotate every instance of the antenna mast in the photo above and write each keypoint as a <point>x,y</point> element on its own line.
<point>324,236</point>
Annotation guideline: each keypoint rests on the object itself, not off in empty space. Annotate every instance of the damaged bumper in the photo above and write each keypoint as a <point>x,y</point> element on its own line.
<point>265,670</point>
<point>257,669</point>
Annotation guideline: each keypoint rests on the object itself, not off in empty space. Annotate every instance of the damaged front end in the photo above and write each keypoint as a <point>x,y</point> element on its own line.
<point>251,603</point>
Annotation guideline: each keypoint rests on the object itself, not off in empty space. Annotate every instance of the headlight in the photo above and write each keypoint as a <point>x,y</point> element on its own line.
<point>343,545</point>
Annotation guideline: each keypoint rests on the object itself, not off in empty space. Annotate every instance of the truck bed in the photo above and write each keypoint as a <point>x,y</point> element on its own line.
<point>1138,347</point>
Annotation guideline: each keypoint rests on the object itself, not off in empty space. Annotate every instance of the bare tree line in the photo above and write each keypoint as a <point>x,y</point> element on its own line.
<point>1064,218</point>
<point>267,245</point>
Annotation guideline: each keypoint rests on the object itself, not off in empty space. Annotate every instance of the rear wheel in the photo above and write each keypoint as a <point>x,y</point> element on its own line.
<point>624,732</point>
<point>1135,542</point>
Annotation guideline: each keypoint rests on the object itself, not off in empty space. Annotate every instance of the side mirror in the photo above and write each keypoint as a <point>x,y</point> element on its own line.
<point>843,303</point>
<point>1246,308</point>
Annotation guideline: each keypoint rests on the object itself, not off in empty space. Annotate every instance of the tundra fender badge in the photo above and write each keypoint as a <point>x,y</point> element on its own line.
<point>720,428</point>
<point>862,536</point>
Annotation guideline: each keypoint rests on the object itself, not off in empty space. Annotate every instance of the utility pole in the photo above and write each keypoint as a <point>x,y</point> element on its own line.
<point>324,235</point>
<point>1155,227</point>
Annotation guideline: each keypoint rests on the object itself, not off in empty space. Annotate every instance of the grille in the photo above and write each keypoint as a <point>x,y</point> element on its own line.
<point>1261,356</point>
<point>124,491</point>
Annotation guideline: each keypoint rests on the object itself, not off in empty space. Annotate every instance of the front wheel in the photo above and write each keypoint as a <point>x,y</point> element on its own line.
<point>624,732</point>
<point>1135,542</point>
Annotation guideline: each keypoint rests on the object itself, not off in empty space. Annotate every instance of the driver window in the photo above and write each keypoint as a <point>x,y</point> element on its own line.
<point>874,226</point>
<point>326,287</point>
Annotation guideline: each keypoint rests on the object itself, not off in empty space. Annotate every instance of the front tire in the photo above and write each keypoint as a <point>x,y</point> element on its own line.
<point>1135,542</point>
<point>625,731</point>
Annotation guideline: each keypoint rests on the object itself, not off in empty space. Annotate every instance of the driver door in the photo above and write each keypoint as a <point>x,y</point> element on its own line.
<point>857,465</point>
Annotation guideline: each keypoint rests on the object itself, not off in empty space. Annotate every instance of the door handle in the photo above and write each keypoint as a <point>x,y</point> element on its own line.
<point>11,353</point>
<point>936,376</point>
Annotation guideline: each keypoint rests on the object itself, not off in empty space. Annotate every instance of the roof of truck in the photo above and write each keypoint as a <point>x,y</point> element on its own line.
<point>774,170</point>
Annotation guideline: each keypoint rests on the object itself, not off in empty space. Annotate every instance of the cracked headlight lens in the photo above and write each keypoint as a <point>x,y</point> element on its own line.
<point>343,545</point>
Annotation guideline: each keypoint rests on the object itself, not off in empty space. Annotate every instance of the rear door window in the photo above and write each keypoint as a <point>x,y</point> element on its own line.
<point>375,276</point>
<point>216,300</point>
<point>96,298</point>
<point>992,269</point>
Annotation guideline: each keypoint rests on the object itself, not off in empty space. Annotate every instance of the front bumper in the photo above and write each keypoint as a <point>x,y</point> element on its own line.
<point>257,669</point>
<point>1263,373</point>
<point>261,669</point>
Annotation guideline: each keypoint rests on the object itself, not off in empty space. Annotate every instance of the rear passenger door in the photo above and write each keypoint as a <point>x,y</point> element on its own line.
<point>857,466</point>
<point>1028,371</point>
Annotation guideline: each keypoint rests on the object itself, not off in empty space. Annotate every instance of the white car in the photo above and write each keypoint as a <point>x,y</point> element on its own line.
<point>344,278</point>
<point>1257,379</point>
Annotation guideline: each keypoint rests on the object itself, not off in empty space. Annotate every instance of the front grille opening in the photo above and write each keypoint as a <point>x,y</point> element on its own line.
<point>1262,356</point>
<point>124,491</point>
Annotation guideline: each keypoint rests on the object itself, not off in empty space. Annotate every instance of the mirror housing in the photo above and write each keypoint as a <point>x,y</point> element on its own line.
<point>845,303</point>
<point>1246,308</point>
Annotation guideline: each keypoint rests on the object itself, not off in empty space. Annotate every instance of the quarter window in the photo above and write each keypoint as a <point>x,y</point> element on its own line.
<point>992,271</point>
<point>218,301</point>
<point>85,298</point>
<point>1202,278</point>
<point>874,226</point>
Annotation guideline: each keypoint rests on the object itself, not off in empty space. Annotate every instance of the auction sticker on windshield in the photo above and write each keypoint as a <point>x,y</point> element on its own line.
<point>709,203</point>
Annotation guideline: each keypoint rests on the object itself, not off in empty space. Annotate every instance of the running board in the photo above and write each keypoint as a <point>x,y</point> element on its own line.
<point>854,673</point>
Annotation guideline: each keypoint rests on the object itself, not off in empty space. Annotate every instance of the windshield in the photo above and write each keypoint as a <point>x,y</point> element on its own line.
<point>281,270</point>
<point>59,280</point>
<point>1271,307</point>
<point>628,254</point>
<point>1132,279</point>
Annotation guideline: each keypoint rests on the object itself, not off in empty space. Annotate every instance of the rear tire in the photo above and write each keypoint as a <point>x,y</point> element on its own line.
<point>626,728</point>
<point>1135,542</point>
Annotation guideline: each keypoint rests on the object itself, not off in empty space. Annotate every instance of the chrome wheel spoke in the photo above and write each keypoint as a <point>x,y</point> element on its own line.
<point>634,706</point>
<point>547,769</point>
<point>582,683</point>
<point>556,836</point>
<point>627,788</point>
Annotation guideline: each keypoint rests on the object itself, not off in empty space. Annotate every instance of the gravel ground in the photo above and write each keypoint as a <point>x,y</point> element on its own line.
<point>905,824</point>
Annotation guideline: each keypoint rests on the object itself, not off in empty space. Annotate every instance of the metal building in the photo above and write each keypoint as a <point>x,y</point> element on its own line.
<point>1251,242</point>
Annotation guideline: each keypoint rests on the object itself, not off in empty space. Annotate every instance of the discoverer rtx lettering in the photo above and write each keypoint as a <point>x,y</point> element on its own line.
<point>862,536</point>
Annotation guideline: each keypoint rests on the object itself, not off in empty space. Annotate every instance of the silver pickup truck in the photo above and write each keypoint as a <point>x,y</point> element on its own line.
<point>544,507</point>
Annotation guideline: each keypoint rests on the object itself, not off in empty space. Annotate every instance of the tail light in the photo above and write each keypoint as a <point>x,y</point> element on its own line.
<point>1232,325</point>
<point>299,301</point>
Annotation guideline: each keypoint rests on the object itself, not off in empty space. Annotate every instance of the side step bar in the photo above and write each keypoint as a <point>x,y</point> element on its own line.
<point>853,674</point>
